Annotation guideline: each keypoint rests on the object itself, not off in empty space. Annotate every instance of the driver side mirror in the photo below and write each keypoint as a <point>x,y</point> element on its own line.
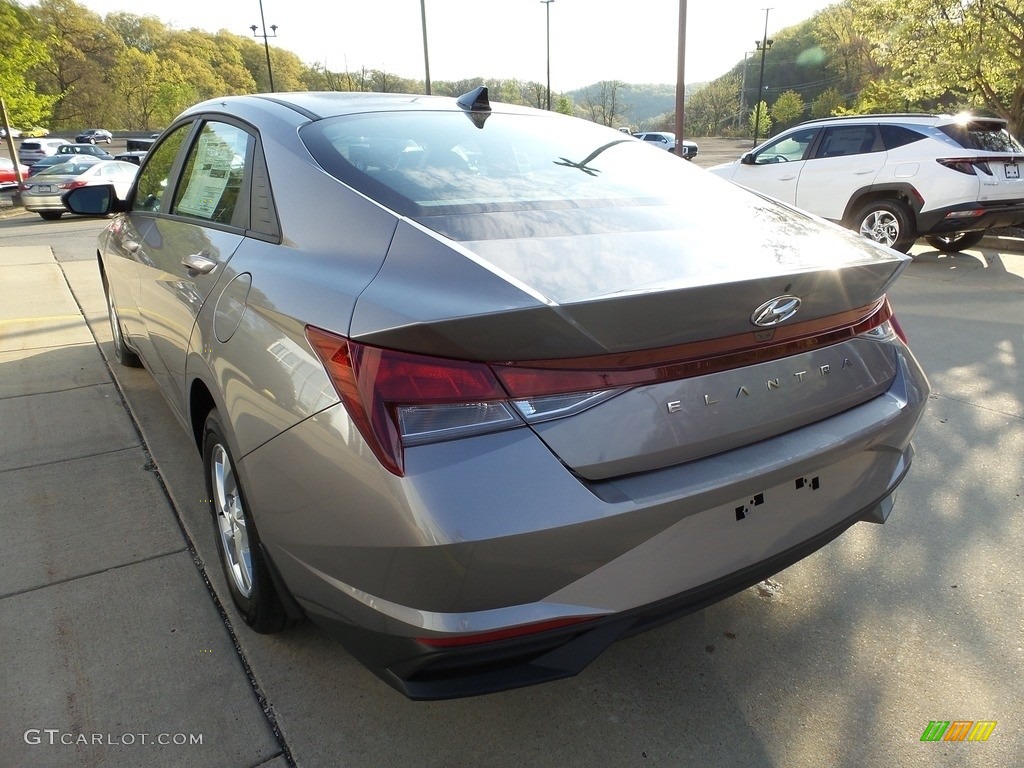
<point>747,158</point>
<point>96,200</point>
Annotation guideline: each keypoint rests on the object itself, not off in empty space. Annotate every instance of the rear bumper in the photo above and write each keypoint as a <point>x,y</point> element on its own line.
<point>487,535</point>
<point>1009,213</point>
<point>422,672</point>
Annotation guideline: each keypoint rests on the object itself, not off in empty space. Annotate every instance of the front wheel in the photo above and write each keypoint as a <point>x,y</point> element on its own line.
<point>955,242</point>
<point>888,222</point>
<point>252,590</point>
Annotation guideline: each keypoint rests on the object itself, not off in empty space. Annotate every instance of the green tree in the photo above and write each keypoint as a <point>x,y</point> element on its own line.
<point>847,45</point>
<point>710,108</point>
<point>145,33</point>
<point>151,90</point>
<point>564,106</point>
<point>962,53</point>
<point>602,103</point>
<point>788,109</point>
<point>81,50</point>
<point>828,103</point>
<point>22,54</point>
<point>764,128</point>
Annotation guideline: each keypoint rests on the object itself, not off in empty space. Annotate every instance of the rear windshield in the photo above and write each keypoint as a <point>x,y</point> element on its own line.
<point>430,163</point>
<point>986,135</point>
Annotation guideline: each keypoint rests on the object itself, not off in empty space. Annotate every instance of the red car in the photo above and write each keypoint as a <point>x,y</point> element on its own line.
<point>7,176</point>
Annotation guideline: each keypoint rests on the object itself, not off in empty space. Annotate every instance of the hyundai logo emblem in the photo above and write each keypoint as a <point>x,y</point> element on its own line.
<point>775,311</point>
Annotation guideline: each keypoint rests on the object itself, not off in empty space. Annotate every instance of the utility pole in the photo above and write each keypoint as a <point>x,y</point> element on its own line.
<point>763,45</point>
<point>681,79</point>
<point>426,57</point>
<point>547,10</point>
<point>19,180</point>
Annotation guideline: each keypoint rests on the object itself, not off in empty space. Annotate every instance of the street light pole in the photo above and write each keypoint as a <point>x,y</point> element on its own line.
<point>266,44</point>
<point>426,57</point>
<point>547,12</point>
<point>763,45</point>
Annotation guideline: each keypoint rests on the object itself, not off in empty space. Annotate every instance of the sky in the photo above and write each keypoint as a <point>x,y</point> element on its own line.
<point>591,40</point>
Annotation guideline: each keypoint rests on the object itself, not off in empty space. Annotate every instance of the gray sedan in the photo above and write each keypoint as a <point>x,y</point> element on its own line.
<point>42,191</point>
<point>481,389</point>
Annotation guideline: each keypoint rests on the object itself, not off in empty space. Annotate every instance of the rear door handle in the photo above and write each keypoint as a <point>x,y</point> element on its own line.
<point>198,262</point>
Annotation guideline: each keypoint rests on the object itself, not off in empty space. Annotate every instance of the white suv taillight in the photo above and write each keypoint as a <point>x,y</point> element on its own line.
<point>965,165</point>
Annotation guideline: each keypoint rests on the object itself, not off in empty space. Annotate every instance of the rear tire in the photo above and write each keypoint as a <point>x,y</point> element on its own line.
<point>955,242</point>
<point>238,543</point>
<point>50,215</point>
<point>888,222</point>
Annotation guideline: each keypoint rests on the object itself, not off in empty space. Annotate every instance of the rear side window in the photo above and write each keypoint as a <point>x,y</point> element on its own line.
<point>846,140</point>
<point>213,175</point>
<point>988,135</point>
<point>897,136</point>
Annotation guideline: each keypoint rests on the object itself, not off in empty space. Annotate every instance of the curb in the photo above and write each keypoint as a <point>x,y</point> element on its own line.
<point>1003,243</point>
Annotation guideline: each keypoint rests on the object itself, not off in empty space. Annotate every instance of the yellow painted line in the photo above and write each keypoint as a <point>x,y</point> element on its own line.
<point>43,319</point>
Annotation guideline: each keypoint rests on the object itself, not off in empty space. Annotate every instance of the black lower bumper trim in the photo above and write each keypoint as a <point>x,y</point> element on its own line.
<point>1008,214</point>
<point>423,672</point>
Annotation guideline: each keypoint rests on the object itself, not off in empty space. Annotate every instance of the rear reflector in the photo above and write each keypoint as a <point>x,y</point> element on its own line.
<point>502,634</point>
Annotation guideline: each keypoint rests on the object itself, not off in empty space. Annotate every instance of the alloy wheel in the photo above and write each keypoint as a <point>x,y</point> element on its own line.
<point>231,521</point>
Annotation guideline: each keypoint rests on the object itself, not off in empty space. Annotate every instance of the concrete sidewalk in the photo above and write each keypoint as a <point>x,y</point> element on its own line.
<point>115,650</point>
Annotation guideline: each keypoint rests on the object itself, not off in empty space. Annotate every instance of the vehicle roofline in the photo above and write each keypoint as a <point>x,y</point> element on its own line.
<point>921,116</point>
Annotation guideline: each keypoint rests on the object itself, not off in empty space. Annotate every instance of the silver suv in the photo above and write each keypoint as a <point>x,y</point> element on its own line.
<point>31,150</point>
<point>895,177</point>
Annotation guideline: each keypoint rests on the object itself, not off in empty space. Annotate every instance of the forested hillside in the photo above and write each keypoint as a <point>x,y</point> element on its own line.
<point>63,68</point>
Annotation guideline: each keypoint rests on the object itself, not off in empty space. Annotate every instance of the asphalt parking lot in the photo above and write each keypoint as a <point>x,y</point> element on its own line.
<point>121,648</point>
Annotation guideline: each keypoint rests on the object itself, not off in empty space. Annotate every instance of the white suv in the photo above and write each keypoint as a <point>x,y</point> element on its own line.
<point>895,177</point>
<point>31,150</point>
<point>667,140</point>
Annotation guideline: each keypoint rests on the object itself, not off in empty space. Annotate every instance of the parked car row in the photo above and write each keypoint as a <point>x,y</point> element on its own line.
<point>52,166</point>
<point>35,132</point>
<point>43,190</point>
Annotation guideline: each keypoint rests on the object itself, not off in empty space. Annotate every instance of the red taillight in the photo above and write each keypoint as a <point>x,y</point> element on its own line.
<point>899,329</point>
<point>380,386</point>
<point>963,165</point>
<point>502,634</point>
<point>73,184</point>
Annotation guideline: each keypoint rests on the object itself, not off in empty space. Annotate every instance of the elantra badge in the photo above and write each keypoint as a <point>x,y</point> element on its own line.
<point>775,311</point>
